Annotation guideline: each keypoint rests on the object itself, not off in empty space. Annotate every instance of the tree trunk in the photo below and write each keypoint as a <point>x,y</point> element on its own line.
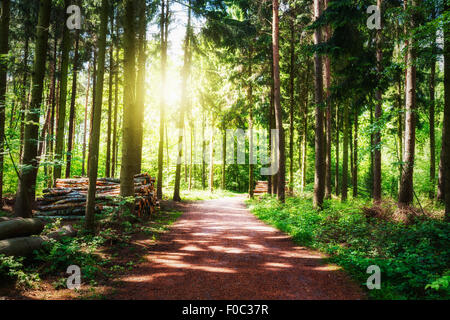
<point>110,102</point>
<point>336,169</point>
<point>446,140</point>
<point>128,167</point>
<point>203,150</point>
<point>20,228</point>
<point>277,104</point>
<point>432,117</point>
<point>378,114</point>
<point>251,166</point>
<point>83,170</point>
<point>355,155</point>
<point>183,105</point>
<point>61,122</point>
<point>327,71</point>
<point>116,105</point>
<point>345,154</point>
<point>27,182</point>
<point>406,185</point>
<point>72,106</point>
<point>291,107</point>
<point>140,83</point>
<point>4,48</point>
<point>319,176</point>
<point>162,102</point>
<point>211,157</point>
<point>97,115</point>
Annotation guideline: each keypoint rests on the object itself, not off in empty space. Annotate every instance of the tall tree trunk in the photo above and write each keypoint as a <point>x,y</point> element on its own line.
<point>61,122</point>
<point>162,102</point>
<point>432,116</point>
<point>378,113</point>
<point>128,166</point>
<point>116,105</point>
<point>355,155</point>
<point>345,154</point>
<point>83,170</point>
<point>51,130</point>
<point>23,95</point>
<point>211,156</point>
<point>72,106</point>
<point>4,49</point>
<point>140,84</point>
<point>277,104</point>
<point>224,157</point>
<point>183,105</point>
<point>336,169</point>
<point>305,134</point>
<point>251,167</point>
<point>27,181</point>
<point>291,107</point>
<point>97,117</point>
<point>327,71</point>
<point>406,185</point>
<point>203,149</point>
<point>446,140</point>
<point>110,102</point>
<point>319,176</point>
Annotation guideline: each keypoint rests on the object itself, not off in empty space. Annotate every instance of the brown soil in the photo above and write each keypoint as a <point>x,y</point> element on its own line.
<point>218,250</point>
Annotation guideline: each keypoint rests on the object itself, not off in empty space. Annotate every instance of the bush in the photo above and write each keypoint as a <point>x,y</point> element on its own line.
<point>413,258</point>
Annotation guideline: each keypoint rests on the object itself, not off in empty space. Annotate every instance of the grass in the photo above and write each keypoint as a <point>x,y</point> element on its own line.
<point>414,258</point>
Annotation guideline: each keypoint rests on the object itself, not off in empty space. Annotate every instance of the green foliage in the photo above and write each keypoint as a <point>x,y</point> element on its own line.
<point>413,258</point>
<point>13,268</point>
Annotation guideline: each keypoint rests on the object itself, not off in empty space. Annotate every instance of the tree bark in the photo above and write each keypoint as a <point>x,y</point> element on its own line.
<point>128,166</point>
<point>291,107</point>
<point>319,175</point>
<point>72,106</point>
<point>110,101</point>
<point>345,155</point>
<point>336,169</point>
<point>27,181</point>
<point>140,84</point>
<point>4,49</point>
<point>251,167</point>
<point>355,155</point>
<point>162,102</point>
<point>61,121</point>
<point>446,140</point>
<point>83,170</point>
<point>378,114</point>
<point>327,71</point>
<point>97,115</point>
<point>183,105</point>
<point>432,116</point>
<point>406,185</point>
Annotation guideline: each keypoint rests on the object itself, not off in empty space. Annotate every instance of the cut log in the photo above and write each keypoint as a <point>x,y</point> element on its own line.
<point>20,228</point>
<point>24,246</point>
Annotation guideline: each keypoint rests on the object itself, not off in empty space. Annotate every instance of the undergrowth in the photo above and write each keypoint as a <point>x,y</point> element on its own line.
<point>413,258</point>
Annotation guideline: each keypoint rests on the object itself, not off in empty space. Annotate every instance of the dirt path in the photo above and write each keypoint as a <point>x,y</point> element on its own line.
<point>219,250</point>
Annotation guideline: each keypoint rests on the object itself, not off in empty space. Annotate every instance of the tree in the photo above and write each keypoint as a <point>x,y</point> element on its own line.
<point>446,138</point>
<point>72,105</point>
<point>110,101</point>
<point>406,185</point>
<point>128,167</point>
<point>378,113</point>
<point>97,118</point>
<point>61,121</point>
<point>281,183</point>
<point>319,176</point>
<point>164,30</point>
<point>4,48</point>
<point>140,85</point>
<point>327,71</point>
<point>183,105</point>
<point>27,177</point>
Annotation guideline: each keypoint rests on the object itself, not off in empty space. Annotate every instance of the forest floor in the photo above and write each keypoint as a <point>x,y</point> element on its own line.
<point>219,250</point>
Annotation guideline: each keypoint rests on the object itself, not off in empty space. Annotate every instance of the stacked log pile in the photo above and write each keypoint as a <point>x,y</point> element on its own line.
<point>69,196</point>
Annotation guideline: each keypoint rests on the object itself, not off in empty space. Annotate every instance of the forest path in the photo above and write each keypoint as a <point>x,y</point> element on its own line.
<point>219,250</point>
